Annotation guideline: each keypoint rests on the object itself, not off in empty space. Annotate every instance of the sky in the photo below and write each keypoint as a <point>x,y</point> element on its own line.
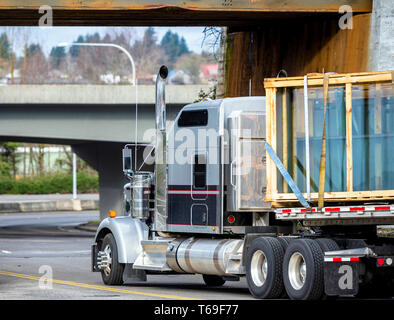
<point>50,37</point>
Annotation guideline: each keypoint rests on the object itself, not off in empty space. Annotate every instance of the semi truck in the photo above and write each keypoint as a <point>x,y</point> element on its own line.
<point>222,200</point>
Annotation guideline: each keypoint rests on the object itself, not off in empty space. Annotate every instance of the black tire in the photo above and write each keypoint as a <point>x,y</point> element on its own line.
<point>213,281</point>
<point>310,287</point>
<point>327,244</point>
<point>270,285</point>
<point>113,276</point>
<point>284,241</point>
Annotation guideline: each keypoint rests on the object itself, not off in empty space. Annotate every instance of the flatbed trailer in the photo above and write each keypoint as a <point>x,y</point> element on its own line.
<point>231,194</point>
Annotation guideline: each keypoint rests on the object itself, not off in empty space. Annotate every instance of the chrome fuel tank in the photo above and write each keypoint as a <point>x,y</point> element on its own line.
<point>140,193</point>
<point>209,256</point>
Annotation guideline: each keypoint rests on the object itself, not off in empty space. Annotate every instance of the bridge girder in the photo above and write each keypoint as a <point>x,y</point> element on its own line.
<point>168,12</point>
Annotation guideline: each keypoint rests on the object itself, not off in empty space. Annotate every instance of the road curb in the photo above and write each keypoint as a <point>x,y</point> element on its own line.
<point>49,205</point>
<point>87,227</point>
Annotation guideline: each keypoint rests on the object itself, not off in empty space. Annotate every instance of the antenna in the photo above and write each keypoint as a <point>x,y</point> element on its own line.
<point>136,126</point>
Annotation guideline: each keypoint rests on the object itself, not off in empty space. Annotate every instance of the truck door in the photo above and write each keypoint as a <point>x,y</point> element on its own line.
<point>193,190</point>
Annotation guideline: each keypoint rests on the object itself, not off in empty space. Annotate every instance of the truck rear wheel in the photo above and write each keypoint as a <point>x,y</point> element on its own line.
<point>284,241</point>
<point>303,271</point>
<point>112,274</point>
<point>327,244</point>
<point>264,268</point>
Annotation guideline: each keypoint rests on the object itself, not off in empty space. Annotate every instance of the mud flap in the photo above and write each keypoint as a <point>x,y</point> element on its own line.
<point>341,278</point>
<point>94,267</point>
<point>133,275</point>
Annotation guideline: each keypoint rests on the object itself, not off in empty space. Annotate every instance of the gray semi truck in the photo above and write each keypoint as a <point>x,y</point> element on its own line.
<point>202,209</point>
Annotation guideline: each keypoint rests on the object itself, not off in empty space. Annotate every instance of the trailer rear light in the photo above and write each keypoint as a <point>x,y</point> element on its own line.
<point>384,262</point>
<point>231,219</point>
<point>112,213</point>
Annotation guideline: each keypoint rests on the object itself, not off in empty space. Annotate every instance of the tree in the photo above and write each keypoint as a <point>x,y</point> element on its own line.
<point>5,170</point>
<point>24,35</point>
<point>173,46</point>
<point>147,54</point>
<point>4,46</point>
<point>149,39</point>
<point>57,55</point>
<point>9,156</point>
<point>93,37</point>
<point>74,50</point>
<point>191,62</point>
<point>36,66</point>
<point>183,47</point>
<point>33,49</point>
<point>213,38</point>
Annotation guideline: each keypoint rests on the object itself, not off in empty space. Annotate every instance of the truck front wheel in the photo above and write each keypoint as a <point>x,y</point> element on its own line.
<point>264,268</point>
<point>112,270</point>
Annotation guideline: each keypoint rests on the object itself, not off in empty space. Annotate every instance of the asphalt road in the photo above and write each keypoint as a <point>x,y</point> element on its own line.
<point>35,246</point>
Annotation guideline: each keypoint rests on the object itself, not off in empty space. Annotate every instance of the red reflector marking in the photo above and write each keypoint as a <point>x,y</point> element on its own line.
<point>337,259</point>
<point>332,209</point>
<point>382,208</point>
<point>231,219</point>
<point>357,209</point>
<point>286,211</point>
<point>380,261</point>
<point>354,259</point>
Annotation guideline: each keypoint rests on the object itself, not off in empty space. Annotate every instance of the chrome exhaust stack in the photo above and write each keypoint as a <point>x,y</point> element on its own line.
<point>160,220</point>
<point>161,98</point>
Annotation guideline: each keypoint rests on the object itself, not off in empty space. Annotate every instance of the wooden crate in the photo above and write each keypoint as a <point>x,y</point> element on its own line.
<point>276,90</point>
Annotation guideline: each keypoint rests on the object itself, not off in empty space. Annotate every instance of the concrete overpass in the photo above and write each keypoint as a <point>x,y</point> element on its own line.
<point>96,120</point>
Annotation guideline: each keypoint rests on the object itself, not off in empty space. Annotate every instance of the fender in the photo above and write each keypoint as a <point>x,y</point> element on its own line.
<point>128,234</point>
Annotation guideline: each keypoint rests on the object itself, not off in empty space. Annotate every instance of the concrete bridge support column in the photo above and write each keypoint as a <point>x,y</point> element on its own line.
<point>106,158</point>
<point>381,36</point>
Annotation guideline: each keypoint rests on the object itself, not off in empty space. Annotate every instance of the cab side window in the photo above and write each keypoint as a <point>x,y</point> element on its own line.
<point>199,172</point>
<point>193,118</point>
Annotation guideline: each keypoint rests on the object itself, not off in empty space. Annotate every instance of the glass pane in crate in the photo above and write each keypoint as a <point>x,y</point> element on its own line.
<point>291,137</point>
<point>373,137</point>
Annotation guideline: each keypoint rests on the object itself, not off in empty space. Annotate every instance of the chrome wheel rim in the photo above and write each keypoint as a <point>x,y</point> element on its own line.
<point>297,270</point>
<point>108,260</point>
<point>259,268</point>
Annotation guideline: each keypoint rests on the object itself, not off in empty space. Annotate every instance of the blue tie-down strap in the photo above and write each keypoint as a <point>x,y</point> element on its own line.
<point>286,176</point>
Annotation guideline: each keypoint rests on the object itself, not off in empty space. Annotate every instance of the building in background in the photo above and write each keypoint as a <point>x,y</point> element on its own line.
<point>209,73</point>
